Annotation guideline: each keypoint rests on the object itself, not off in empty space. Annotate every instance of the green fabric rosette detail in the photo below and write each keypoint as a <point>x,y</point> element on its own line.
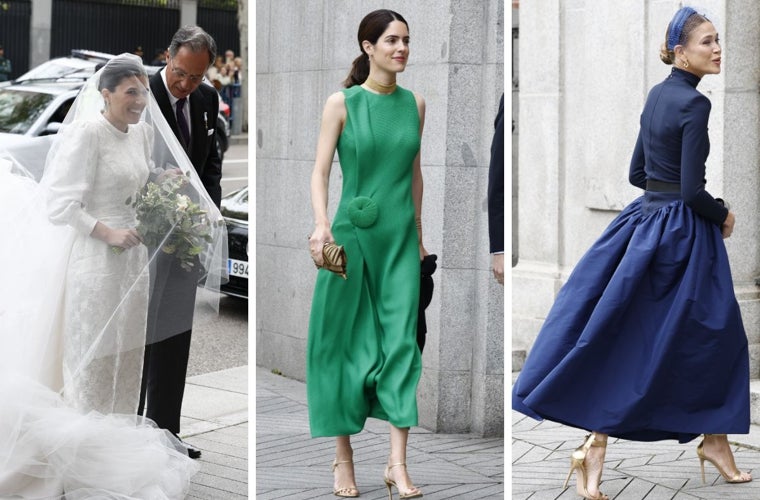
<point>362,211</point>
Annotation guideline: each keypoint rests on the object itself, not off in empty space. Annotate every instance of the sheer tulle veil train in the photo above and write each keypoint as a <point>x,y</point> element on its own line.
<point>74,308</point>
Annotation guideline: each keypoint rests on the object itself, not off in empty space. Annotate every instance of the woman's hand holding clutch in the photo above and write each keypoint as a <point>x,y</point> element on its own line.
<point>325,253</point>
<point>317,240</point>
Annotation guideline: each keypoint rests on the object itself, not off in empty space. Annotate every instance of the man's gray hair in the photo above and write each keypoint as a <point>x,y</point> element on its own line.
<point>194,38</point>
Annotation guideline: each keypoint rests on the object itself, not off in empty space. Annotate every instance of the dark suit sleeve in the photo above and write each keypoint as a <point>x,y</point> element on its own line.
<point>496,184</point>
<point>211,173</point>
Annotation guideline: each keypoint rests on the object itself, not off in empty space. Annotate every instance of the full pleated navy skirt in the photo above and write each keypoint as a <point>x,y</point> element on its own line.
<point>645,341</point>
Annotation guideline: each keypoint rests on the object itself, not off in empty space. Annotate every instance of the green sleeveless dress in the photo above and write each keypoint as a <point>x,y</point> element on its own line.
<point>362,357</point>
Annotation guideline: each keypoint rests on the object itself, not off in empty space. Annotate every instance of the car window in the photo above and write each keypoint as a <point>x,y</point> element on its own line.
<point>19,109</point>
<point>61,112</point>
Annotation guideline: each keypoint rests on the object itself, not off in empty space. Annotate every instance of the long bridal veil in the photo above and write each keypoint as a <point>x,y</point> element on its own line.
<point>76,312</point>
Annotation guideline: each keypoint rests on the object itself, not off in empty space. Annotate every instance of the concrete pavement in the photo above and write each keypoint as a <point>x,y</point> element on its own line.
<point>292,465</point>
<point>215,420</point>
<point>663,470</point>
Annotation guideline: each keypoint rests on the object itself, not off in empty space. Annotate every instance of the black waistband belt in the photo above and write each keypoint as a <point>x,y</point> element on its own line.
<point>663,187</point>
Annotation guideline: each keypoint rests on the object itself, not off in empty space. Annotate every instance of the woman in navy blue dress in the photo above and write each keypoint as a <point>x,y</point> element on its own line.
<point>645,341</point>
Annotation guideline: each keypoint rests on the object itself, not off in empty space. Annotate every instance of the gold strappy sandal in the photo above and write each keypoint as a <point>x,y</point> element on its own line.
<point>414,492</point>
<point>577,463</point>
<point>735,477</point>
<point>349,491</point>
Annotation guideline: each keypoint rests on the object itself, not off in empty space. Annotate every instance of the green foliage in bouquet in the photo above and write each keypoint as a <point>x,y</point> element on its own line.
<point>162,209</point>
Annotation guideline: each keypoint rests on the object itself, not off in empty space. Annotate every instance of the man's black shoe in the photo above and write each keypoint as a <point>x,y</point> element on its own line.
<point>192,451</point>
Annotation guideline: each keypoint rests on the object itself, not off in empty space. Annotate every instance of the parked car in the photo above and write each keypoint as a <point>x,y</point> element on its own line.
<point>74,70</point>
<point>222,126</point>
<point>79,65</point>
<point>234,208</point>
<point>32,109</point>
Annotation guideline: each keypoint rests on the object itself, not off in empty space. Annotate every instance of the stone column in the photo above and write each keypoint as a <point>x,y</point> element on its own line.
<point>536,277</point>
<point>188,12</point>
<point>40,35</point>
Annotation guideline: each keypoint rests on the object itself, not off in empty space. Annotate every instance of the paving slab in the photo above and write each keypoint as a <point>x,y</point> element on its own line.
<point>215,420</point>
<point>633,470</point>
<point>290,464</point>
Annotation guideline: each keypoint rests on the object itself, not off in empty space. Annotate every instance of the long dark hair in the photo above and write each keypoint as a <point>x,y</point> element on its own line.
<point>372,26</point>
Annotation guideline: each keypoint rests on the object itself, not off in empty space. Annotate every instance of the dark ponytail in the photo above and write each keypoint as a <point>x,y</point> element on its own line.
<point>359,71</point>
<point>372,26</point>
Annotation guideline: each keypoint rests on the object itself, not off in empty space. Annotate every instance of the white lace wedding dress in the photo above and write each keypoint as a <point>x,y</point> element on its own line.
<point>106,293</point>
<point>87,443</point>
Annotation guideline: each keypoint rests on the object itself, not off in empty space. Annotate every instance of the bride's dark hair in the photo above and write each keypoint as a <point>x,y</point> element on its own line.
<point>372,26</point>
<point>117,70</point>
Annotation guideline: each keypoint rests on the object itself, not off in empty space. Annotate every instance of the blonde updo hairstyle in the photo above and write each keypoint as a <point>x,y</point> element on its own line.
<point>667,55</point>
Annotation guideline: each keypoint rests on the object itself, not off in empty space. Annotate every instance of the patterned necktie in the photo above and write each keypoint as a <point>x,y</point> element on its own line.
<point>182,122</point>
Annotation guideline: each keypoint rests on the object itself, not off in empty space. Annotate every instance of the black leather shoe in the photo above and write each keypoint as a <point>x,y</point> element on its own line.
<point>192,451</point>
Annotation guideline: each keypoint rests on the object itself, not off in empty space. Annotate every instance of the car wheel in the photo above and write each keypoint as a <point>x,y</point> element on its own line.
<point>219,148</point>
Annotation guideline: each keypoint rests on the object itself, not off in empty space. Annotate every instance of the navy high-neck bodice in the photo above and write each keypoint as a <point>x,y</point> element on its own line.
<point>673,143</point>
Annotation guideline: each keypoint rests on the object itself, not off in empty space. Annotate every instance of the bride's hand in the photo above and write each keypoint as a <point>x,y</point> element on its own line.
<point>121,238</point>
<point>124,238</point>
<point>317,240</point>
<point>170,173</point>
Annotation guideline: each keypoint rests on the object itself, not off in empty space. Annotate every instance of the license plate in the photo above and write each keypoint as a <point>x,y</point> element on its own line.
<point>237,268</point>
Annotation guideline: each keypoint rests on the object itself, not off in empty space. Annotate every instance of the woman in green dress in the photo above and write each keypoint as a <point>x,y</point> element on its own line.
<point>362,356</point>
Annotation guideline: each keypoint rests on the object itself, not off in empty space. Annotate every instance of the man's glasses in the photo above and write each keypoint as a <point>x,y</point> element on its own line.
<point>184,76</point>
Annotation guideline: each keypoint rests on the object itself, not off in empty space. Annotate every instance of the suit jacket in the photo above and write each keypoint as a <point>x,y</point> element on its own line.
<point>496,184</point>
<point>172,300</point>
<point>203,155</point>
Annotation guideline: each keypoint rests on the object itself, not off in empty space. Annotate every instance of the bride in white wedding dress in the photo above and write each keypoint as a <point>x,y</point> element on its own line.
<point>74,288</point>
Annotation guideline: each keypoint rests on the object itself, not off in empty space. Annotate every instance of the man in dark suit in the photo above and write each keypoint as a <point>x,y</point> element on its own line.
<point>496,196</point>
<point>190,108</point>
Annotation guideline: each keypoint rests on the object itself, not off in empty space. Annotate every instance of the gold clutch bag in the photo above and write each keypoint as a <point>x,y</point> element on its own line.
<point>334,259</point>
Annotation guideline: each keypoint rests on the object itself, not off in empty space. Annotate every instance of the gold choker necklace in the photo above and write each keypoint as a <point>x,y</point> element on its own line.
<point>382,88</point>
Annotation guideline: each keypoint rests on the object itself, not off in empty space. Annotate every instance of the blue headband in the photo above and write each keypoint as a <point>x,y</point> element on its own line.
<point>676,25</point>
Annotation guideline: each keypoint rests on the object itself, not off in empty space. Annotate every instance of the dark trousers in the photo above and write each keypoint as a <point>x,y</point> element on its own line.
<point>163,384</point>
<point>170,319</point>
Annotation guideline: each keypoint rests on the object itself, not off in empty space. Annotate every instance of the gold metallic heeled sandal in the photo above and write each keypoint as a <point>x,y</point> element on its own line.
<point>577,460</point>
<point>414,492</point>
<point>736,477</point>
<point>349,491</point>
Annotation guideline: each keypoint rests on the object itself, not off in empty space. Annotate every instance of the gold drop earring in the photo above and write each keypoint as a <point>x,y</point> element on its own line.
<point>686,64</point>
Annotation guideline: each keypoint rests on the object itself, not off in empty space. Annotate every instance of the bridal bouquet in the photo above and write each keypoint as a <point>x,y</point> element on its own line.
<point>169,219</point>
